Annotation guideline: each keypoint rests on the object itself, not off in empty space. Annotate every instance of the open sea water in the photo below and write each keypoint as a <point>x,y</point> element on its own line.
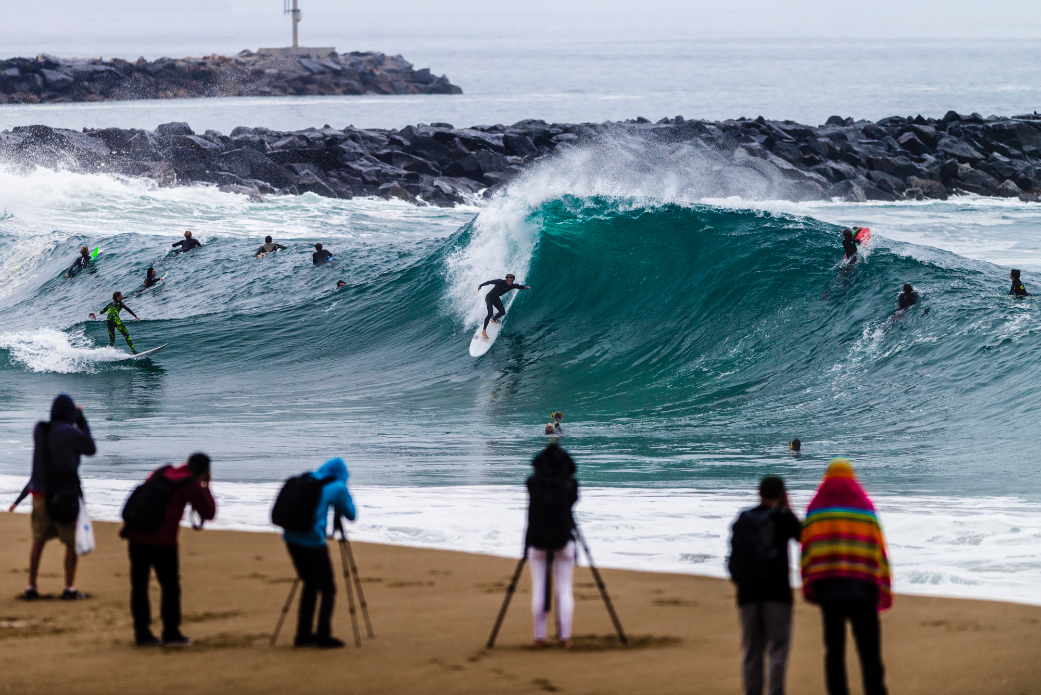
<point>686,337</point>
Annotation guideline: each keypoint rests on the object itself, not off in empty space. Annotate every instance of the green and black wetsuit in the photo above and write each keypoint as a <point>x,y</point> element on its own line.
<point>112,309</point>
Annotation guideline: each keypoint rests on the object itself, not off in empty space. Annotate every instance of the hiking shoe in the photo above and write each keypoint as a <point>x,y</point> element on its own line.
<point>329,643</point>
<point>73,595</point>
<point>305,641</point>
<point>30,595</point>
<point>178,640</point>
<point>147,641</point>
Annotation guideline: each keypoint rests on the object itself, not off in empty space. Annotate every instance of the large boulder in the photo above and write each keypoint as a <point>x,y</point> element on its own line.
<point>957,149</point>
<point>848,191</point>
<point>171,129</point>
<point>1009,189</point>
<point>911,143</point>
<point>928,187</point>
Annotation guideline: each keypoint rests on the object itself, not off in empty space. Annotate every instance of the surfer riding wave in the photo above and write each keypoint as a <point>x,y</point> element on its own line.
<point>493,300</point>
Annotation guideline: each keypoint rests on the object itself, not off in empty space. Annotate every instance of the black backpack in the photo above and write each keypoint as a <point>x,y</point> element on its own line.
<point>62,500</point>
<point>297,503</point>
<point>145,509</point>
<point>753,553</point>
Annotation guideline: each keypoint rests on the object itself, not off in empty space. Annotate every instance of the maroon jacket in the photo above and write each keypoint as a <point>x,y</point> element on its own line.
<point>193,493</point>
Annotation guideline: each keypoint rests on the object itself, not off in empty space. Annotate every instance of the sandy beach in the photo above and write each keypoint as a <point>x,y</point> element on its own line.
<point>432,611</point>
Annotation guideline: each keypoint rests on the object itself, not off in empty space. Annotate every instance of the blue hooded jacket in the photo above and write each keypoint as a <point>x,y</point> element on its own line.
<point>334,494</point>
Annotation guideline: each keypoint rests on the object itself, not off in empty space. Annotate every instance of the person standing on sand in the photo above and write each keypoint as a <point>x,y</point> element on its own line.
<point>56,460</point>
<point>552,492</point>
<point>760,568</point>
<point>846,571</point>
<point>311,558</point>
<point>157,547</point>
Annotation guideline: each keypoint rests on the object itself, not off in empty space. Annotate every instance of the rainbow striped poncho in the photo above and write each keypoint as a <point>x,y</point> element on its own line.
<point>841,537</point>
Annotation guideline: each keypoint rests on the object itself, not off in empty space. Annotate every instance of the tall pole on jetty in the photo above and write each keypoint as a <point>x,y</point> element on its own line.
<point>295,11</point>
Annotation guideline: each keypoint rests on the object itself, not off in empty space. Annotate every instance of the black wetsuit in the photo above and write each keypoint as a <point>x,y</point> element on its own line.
<point>1018,289</point>
<point>149,281</point>
<point>81,263</point>
<point>187,243</point>
<point>905,300</point>
<point>493,300</point>
<point>850,247</point>
<point>269,248</point>
<point>323,256</point>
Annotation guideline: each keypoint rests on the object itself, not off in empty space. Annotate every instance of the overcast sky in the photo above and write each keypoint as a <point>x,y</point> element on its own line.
<point>183,27</point>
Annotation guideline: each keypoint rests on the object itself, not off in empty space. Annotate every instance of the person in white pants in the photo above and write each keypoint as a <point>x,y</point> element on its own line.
<point>563,568</point>
<point>552,492</point>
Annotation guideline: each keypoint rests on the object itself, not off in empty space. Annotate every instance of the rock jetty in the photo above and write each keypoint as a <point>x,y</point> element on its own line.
<point>894,159</point>
<point>49,79</point>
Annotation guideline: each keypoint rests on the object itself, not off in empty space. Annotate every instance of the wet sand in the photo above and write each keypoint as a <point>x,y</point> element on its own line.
<point>432,612</point>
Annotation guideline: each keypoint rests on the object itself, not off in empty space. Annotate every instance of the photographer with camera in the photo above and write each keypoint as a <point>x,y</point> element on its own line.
<point>552,492</point>
<point>152,519</point>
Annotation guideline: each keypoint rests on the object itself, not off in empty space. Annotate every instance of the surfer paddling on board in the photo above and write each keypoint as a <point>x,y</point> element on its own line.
<point>850,245</point>
<point>81,263</point>
<point>1017,285</point>
<point>908,298</point>
<point>321,255</point>
<point>151,279</point>
<point>112,310</point>
<point>493,300</point>
<point>187,243</point>
<point>268,247</point>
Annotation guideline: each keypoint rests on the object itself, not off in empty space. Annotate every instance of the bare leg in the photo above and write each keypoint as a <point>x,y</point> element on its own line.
<point>35,552</point>
<point>70,566</point>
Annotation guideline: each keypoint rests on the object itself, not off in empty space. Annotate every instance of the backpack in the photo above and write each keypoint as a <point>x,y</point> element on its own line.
<point>145,509</point>
<point>297,503</point>
<point>62,499</point>
<point>753,553</point>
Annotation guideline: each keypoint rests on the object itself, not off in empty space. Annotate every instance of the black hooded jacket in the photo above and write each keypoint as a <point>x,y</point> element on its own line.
<point>64,439</point>
<point>552,492</point>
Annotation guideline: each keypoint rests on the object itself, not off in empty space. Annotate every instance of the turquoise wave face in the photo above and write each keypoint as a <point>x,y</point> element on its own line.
<point>685,344</point>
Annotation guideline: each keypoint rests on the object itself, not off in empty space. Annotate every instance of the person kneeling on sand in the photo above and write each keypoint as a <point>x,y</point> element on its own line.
<point>845,570</point>
<point>311,557</point>
<point>152,517</point>
<point>552,492</point>
<point>58,445</point>
<point>764,595</point>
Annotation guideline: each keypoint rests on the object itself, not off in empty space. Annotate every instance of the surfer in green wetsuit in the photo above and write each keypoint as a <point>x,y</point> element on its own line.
<point>112,311</point>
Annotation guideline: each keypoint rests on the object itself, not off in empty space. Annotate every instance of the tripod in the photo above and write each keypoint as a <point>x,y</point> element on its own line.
<point>596,576</point>
<point>349,569</point>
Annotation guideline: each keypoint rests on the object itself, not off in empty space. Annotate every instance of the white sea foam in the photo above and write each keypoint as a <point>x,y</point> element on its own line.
<point>50,350</point>
<point>962,547</point>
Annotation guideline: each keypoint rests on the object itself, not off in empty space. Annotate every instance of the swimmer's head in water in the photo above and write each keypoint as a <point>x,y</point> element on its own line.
<point>318,246</point>
<point>1014,274</point>
<point>187,235</point>
<point>557,416</point>
<point>795,445</point>
<point>84,251</point>
<point>510,277</point>
<point>908,289</point>
<point>341,283</point>
<point>549,428</point>
<point>847,234</point>
<point>267,240</point>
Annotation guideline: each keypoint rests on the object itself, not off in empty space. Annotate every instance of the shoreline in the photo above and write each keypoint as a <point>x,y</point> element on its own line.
<point>432,611</point>
<point>438,164</point>
<point>624,526</point>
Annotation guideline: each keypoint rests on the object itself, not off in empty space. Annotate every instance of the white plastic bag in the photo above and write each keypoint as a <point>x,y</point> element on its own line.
<point>84,531</point>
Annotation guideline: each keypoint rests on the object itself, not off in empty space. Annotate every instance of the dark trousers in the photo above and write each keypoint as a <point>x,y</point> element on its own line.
<point>316,571</point>
<point>495,308</point>
<point>863,616</point>
<point>766,629</point>
<point>143,557</point>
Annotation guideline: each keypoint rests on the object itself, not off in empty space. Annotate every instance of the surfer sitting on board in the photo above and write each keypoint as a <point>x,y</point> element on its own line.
<point>187,243</point>
<point>81,263</point>
<point>1017,285</point>
<point>907,298</point>
<point>321,255</point>
<point>849,244</point>
<point>112,310</point>
<point>268,247</point>
<point>493,300</point>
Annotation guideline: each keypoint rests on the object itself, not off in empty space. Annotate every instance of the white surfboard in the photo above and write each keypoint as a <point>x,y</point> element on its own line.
<point>146,353</point>
<point>479,346</point>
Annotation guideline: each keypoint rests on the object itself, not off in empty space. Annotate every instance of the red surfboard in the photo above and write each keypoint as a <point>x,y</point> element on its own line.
<point>863,235</point>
